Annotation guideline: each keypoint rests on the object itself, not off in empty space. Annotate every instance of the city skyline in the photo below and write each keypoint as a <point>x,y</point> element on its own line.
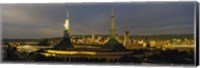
<point>47,20</point>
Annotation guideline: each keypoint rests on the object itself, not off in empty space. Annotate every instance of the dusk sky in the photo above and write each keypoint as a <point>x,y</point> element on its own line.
<point>47,20</point>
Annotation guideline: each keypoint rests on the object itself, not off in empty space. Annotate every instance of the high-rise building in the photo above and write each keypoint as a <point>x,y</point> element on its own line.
<point>127,40</point>
<point>93,38</point>
<point>112,42</point>
<point>65,43</point>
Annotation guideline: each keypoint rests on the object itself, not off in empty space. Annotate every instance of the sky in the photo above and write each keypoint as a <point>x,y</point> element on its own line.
<point>47,20</point>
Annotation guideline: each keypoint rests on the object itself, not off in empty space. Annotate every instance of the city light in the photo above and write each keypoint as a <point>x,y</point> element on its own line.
<point>70,52</point>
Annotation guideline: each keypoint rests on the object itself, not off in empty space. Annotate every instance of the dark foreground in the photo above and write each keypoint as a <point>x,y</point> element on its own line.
<point>139,56</point>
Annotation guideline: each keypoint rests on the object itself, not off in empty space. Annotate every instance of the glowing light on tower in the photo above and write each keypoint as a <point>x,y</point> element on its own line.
<point>67,21</point>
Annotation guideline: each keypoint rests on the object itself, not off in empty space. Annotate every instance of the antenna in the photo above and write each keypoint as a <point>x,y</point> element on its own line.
<point>112,12</point>
<point>67,14</point>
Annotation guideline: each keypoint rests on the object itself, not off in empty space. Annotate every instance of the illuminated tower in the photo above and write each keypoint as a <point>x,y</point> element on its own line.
<point>66,25</point>
<point>65,43</point>
<point>112,25</point>
<point>112,42</point>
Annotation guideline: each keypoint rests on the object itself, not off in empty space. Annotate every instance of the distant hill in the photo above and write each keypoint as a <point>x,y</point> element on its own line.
<point>166,36</point>
<point>19,40</point>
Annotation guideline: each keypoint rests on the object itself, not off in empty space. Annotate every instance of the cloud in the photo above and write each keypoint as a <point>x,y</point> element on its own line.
<point>46,20</point>
<point>30,21</point>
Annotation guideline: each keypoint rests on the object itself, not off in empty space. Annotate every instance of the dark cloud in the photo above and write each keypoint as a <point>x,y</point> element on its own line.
<point>46,20</point>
